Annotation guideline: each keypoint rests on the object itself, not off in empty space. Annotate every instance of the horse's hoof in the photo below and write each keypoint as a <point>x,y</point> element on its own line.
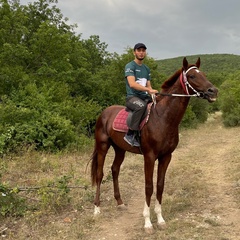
<point>149,230</point>
<point>162,225</point>
<point>122,207</point>
<point>96,211</point>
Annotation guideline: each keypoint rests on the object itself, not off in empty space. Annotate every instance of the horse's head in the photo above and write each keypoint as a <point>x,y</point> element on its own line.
<point>195,82</point>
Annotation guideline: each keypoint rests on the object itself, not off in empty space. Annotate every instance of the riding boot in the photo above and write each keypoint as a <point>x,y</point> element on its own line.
<point>132,137</point>
<point>136,139</point>
<point>130,132</point>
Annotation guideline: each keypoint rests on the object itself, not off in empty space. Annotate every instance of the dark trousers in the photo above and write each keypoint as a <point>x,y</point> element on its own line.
<point>138,107</point>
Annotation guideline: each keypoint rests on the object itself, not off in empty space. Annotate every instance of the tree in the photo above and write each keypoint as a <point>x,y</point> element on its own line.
<point>43,67</point>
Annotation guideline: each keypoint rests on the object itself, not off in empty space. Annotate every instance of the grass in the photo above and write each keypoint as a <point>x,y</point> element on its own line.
<point>57,191</point>
<point>234,173</point>
<point>202,180</point>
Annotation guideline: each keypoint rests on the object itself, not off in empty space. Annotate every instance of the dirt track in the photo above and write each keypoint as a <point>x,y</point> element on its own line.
<point>210,155</point>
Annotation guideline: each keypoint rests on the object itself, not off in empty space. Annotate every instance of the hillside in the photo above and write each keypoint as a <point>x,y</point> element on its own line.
<point>210,63</point>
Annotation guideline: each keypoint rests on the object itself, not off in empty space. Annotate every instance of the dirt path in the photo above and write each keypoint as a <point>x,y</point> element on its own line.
<point>220,153</point>
<point>216,215</point>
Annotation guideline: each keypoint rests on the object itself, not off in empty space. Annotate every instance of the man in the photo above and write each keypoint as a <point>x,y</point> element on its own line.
<point>139,89</point>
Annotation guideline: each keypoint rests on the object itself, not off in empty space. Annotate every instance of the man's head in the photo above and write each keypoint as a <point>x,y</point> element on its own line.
<point>139,45</point>
<point>140,51</point>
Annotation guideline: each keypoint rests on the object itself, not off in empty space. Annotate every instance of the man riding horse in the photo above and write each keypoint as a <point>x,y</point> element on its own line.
<point>139,89</point>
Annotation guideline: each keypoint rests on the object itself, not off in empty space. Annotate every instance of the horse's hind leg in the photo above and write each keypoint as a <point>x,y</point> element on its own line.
<point>100,156</point>
<point>119,157</point>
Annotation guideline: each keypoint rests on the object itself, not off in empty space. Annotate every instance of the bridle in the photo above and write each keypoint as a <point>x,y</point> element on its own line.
<point>186,86</point>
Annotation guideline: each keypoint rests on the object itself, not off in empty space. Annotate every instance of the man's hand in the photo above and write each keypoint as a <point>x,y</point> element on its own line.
<point>152,91</point>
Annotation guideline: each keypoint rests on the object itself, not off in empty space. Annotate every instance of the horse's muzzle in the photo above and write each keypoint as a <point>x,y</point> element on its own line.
<point>211,94</point>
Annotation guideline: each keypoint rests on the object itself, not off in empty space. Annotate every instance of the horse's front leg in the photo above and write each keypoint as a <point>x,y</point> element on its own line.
<point>148,169</point>
<point>163,163</point>
<point>119,157</point>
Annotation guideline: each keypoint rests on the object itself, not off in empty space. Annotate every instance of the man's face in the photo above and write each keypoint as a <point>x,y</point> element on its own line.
<point>140,53</point>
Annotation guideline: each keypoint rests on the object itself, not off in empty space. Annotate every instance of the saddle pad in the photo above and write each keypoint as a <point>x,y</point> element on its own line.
<point>120,121</point>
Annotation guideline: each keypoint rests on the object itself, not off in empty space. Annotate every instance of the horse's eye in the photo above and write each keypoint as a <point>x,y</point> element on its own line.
<point>192,76</point>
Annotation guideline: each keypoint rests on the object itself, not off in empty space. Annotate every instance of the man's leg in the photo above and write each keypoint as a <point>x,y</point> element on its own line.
<point>138,107</point>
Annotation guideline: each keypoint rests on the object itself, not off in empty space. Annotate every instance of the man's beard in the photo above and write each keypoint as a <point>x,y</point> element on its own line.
<point>139,58</point>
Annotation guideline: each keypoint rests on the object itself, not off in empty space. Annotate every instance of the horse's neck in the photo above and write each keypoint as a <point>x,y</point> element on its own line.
<point>170,107</point>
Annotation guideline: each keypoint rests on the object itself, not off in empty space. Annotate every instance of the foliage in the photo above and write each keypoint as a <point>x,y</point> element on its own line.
<point>190,119</point>
<point>55,195</point>
<point>43,73</point>
<point>29,119</point>
<point>230,100</point>
<point>11,204</point>
<point>52,195</point>
<point>200,108</point>
<point>54,83</point>
<point>218,65</point>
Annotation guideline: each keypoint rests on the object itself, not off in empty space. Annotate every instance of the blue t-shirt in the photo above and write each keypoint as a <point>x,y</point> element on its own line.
<point>142,75</point>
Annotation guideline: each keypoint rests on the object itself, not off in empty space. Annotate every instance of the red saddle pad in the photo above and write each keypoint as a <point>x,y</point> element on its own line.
<point>120,121</point>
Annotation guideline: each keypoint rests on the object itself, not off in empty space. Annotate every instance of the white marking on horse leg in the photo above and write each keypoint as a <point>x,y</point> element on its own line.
<point>158,211</point>
<point>96,210</point>
<point>146,215</point>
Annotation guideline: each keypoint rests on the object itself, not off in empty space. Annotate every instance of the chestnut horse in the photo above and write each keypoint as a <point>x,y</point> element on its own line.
<point>159,136</point>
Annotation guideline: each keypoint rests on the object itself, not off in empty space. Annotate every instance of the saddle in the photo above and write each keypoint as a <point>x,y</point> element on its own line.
<point>125,115</point>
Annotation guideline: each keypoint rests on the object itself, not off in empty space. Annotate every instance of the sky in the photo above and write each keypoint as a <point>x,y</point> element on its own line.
<point>169,28</point>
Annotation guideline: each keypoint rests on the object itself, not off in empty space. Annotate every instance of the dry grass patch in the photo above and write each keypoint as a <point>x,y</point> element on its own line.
<point>200,200</point>
<point>57,192</point>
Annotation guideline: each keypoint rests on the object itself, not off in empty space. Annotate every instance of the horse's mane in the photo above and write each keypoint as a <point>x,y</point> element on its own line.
<point>170,81</point>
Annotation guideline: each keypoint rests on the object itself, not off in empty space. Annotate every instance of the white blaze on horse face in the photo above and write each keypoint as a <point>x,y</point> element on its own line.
<point>146,215</point>
<point>158,211</point>
<point>96,210</point>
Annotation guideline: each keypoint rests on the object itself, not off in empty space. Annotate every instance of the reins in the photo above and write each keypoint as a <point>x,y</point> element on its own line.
<point>186,85</point>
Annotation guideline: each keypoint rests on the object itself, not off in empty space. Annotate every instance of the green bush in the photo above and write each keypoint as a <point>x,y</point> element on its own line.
<point>230,100</point>
<point>200,108</point>
<point>189,119</point>
<point>45,117</point>
<point>49,131</point>
<point>52,196</point>
<point>55,195</point>
<point>10,203</point>
<point>197,112</point>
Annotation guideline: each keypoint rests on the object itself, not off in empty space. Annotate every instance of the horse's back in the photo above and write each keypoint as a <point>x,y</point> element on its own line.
<point>111,112</point>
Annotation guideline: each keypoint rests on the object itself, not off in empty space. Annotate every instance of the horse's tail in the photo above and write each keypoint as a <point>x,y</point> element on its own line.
<point>94,166</point>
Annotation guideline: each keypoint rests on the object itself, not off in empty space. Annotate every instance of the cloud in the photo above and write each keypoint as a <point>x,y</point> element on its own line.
<point>169,28</point>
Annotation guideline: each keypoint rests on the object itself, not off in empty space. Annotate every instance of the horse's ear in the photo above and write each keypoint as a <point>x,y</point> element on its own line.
<point>198,63</point>
<point>185,64</point>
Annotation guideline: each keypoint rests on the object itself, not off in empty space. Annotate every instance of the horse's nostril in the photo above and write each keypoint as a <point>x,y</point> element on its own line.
<point>212,90</point>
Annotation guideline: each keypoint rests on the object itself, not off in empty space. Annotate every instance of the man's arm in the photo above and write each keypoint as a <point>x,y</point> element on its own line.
<point>133,84</point>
